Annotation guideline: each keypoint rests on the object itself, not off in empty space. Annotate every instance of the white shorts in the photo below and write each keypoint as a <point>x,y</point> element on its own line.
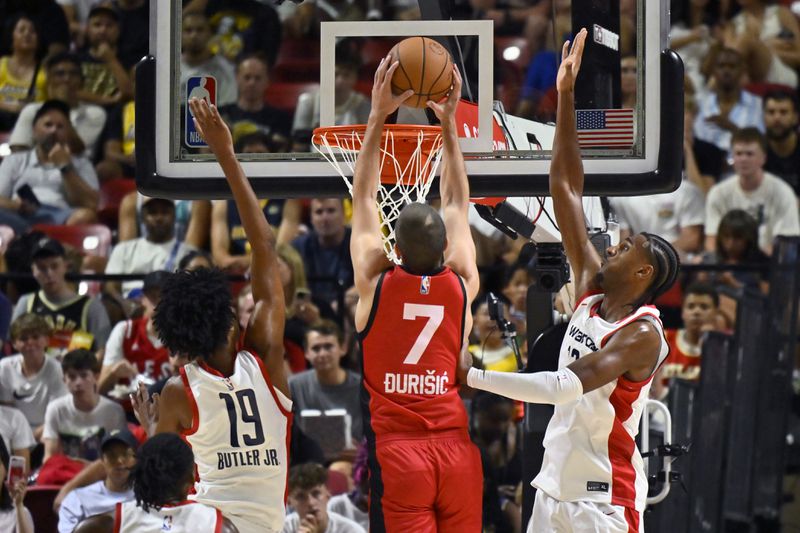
<point>553,516</point>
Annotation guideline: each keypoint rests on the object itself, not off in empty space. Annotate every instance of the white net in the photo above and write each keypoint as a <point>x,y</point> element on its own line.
<point>413,174</point>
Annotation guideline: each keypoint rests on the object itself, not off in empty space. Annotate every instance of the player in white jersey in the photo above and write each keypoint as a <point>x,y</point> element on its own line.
<point>592,477</point>
<point>231,402</point>
<point>161,479</point>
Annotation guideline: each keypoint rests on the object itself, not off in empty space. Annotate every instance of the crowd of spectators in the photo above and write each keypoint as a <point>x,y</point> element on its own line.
<point>71,352</point>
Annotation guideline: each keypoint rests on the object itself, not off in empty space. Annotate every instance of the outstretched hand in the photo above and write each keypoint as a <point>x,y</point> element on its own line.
<point>210,126</point>
<point>570,62</point>
<point>145,408</point>
<point>384,103</point>
<point>445,109</point>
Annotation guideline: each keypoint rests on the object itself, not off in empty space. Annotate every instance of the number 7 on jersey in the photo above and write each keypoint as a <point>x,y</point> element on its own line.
<point>435,315</point>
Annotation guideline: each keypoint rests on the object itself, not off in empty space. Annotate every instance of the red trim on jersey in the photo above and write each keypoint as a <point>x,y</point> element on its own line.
<point>192,404</point>
<point>213,371</point>
<point>218,527</point>
<point>585,295</point>
<point>632,518</point>
<point>265,374</point>
<point>180,504</point>
<point>118,517</point>
<point>621,446</point>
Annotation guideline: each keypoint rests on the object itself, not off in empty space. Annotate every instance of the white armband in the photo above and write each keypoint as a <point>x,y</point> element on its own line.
<point>553,388</point>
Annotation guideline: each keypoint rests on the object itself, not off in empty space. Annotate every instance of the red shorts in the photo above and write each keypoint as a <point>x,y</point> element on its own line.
<point>424,483</point>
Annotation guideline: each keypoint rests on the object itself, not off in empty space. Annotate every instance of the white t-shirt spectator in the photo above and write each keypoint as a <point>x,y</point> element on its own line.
<point>30,395</point>
<point>15,430</point>
<point>336,524</point>
<point>140,256</point>
<point>342,505</point>
<point>8,520</point>
<point>24,168</point>
<point>82,8</point>
<point>87,119</point>
<point>81,432</point>
<point>773,204</point>
<point>88,501</point>
<point>662,214</point>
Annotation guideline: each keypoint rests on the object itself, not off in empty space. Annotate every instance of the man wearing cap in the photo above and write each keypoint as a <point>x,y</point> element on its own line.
<point>48,183</point>
<point>133,347</point>
<point>78,321</point>
<point>119,457</point>
<point>105,80</point>
<point>158,249</point>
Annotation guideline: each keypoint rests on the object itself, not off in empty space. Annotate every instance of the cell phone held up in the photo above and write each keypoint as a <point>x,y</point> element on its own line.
<point>25,192</point>
<point>16,470</point>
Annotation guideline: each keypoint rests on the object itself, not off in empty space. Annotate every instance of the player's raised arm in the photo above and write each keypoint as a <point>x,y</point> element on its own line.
<point>460,252</point>
<point>265,331</point>
<point>566,172</point>
<point>366,247</point>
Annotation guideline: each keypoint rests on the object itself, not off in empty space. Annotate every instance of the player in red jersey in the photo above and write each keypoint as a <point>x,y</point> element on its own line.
<point>413,320</point>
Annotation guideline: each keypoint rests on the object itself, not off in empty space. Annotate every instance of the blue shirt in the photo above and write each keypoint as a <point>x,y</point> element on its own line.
<point>745,113</point>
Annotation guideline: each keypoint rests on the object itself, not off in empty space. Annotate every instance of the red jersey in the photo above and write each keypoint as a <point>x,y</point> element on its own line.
<point>411,347</point>
<point>684,359</point>
<point>139,350</point>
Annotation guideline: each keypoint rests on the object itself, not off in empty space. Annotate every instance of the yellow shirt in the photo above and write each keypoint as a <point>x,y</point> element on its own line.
<point>16,90</point>
<point>499,359</point>
<point>128,128</point>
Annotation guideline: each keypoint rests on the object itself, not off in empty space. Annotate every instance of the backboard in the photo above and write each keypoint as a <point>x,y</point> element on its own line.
<point>319,72</point>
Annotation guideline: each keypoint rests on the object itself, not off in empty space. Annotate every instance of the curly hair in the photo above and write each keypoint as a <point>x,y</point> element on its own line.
<point>195,313</point>
<point>163,464</point>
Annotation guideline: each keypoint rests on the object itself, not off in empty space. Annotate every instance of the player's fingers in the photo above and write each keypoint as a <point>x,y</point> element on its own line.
<point>565,50</point>
<point>390,72</point>
<point>215,114</point>
<point>406,95</point>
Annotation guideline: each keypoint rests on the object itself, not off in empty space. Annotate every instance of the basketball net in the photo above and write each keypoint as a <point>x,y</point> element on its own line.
<point>409,158</point>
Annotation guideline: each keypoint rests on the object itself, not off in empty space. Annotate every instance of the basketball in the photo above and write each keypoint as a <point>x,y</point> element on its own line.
<point>425,67</point>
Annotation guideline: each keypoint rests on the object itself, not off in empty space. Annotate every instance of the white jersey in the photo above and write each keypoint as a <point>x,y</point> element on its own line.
<point>240,438</point>
<point>184,517</point>
<point>590,452</point>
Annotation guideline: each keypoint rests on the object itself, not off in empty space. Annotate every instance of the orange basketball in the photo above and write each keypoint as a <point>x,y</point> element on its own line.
<point>425,67</point>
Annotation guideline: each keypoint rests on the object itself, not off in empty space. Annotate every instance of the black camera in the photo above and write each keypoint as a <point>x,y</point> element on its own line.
<point>547,265</point>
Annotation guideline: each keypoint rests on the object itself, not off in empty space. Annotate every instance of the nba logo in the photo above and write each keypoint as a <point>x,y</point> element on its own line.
<point>167,525</point>
<point>228,384</point>
<point>425,285</point>
<point>202,88</point>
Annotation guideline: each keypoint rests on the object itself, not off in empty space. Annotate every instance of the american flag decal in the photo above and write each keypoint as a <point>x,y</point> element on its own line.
<point>605,128</point>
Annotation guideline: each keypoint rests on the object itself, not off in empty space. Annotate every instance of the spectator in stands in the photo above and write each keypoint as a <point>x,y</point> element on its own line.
<point>105,79</point>
<point>48,16</point>
<point>119,136</point>
<point>250,114</point>
<point>699,315</point>
<point>133,348</point>
<point>691,36</point>
<point>726,107</point>
<point>198,60</point>
<point>350,106</point>
<point>62,188</point>
<point>301,311</point>
<point>703,163</point>
<point>677,216</point>
<point>326,250</point>
<point>158,249</point>
<point>737,243</point>
<point>783,148</point>
<point>196,259</point>
<point>86,121</point>
<point>76,423</point>
<point>134,30</point>
<point>327,385</point>
<point>29,380</point>
<point>308,496</point>
<point>119,457</point>
<point>768,39</point>
<point>77,13</point>
<point>14,516</point>
<point>489,350</point>
<point>22,80</point>
<point>768,199</point>
<point>16,434</point>
<point>515,290</point>
<point>176,361</point>
<point>76,321</point>
<point>192,219</point>
<point>353,505</point>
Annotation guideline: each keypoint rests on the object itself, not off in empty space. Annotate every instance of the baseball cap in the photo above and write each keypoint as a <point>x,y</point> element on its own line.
<point>47,247</point>
<point>147,199</point>
<point>103,10</point>
<point>120,435</point>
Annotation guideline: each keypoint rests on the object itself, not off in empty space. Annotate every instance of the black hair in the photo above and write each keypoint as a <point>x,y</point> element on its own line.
<point>421,238</point>
<point>740,224</point>
<point>80,359</point>
<point>195,313</point>
<point>306,476</point>
<point>64,57</point>
<point>666,267</point>
<point>258,56</point>
<point>781,96</point>
<point>254,138</point>
<point>52,105</point>
<point>324,327</point>
<point>348,53</point>
<point>702,289</point>
<point>8,33</point>
<point>6,502</point>
<point>189,257</point>
<point>513,268</point>
<point>749,135</point>
<point>163,464</point>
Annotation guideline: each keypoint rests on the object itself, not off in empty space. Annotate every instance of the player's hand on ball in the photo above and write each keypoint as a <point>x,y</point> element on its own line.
<point>211,127</point>
<point>445,109</point>
<point>145,408</point>
<point>570,62</point>
<point>385,103</point>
